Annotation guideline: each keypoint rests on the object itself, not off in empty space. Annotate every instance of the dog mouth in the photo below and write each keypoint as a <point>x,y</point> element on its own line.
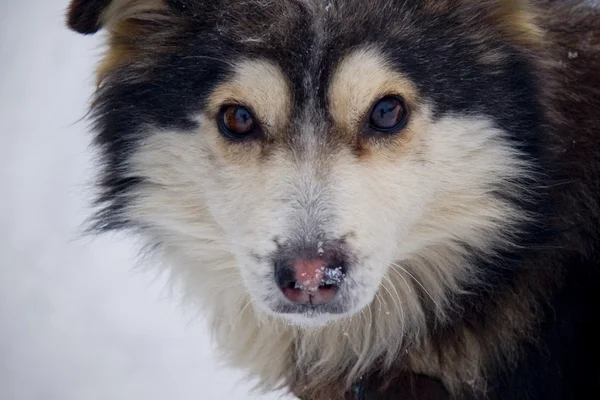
<point>310,310</point>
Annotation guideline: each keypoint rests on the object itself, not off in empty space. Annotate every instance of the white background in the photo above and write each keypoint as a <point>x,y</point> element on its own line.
<point>77,321</point>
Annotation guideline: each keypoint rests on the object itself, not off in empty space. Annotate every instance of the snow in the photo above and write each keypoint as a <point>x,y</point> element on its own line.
<point>311,282</point>
<point>334,276</point>
<point>320,250</point>
<point>77,321</point>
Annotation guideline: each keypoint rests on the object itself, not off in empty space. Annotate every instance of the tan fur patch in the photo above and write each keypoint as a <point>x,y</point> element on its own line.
<point>120,10</point>
<point>516,18</point>
<point>116,55</point>
<point>137,30</point>
<point>361,79</point>
<point>260,86</point>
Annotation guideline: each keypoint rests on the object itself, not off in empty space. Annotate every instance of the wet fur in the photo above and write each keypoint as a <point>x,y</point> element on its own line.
<point>508,318</point>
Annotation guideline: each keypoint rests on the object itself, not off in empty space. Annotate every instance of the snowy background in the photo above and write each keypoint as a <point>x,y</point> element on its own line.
<point>77,321</point>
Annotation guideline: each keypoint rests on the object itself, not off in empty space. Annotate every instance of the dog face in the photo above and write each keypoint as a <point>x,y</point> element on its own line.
<point>318,156</point>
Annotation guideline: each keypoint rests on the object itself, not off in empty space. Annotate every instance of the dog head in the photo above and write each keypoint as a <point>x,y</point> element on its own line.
<point>316,156</point>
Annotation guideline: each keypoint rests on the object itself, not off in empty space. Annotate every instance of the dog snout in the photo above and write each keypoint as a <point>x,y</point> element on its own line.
<point>310,281</point>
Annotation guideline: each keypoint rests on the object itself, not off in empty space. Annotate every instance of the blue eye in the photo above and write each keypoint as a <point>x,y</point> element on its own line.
<point>389,115</point>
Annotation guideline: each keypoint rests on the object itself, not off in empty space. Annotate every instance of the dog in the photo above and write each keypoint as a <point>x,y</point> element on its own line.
<point>376,199</point>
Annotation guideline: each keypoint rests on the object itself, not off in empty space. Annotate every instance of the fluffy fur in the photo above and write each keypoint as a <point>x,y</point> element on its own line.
<point>472,236</point>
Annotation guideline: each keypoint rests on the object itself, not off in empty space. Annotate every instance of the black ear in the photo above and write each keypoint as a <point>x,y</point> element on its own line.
<point>89,16</point>
<point>84,16</point>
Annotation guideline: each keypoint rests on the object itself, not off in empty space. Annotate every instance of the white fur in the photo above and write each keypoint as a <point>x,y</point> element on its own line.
<point>409,215</point>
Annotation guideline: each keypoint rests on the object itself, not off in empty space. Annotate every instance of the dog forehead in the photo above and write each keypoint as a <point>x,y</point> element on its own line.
<point>442,51</point>
<point>307,40</point>
<point>188,53</point>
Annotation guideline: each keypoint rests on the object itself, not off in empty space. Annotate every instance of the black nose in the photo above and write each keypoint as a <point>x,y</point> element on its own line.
<point>312,281</point>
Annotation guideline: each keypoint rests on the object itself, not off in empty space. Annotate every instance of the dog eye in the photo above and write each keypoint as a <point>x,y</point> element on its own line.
<point>236,122</point>
<point>389,115</point>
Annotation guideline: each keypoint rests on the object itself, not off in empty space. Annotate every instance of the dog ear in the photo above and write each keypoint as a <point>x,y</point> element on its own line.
<point>85,16</point>
<point>89,16</point>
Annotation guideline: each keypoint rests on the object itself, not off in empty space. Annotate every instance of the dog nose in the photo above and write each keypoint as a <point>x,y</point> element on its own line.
<point>311,282</point>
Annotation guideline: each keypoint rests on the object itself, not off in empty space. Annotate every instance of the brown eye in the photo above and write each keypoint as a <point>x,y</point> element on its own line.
<point>389,115</point>
<point>236,122</point>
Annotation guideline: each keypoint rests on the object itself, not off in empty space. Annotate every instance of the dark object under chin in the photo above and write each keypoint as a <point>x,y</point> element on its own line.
<point>405,387</point>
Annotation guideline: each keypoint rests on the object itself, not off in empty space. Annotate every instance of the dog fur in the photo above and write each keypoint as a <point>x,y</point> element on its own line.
<point>473,234</point>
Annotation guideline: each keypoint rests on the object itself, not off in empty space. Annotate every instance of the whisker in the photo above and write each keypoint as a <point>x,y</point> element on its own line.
<point>399,303</point>
<point>395,299</point>
<point>421,285</point>
<point>408,285</point>
<point>250,300</point>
